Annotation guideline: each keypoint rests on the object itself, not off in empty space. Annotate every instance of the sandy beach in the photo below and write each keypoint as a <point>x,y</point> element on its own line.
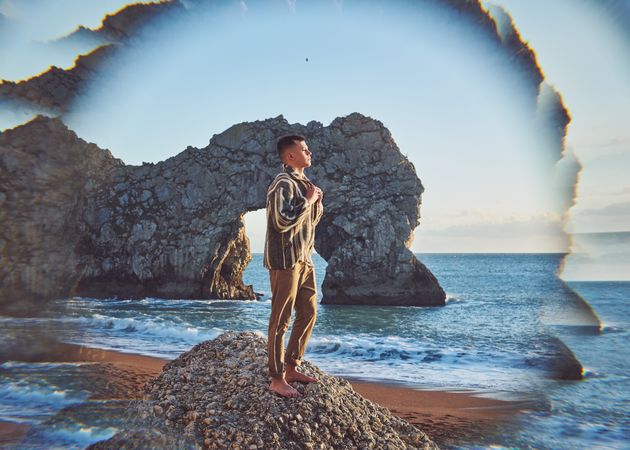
<point>11,433</point>
<point>449,418</point>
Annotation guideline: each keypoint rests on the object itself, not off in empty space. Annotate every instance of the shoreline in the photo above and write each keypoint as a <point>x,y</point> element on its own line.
<point>450,418</point>
<point>11,433</point>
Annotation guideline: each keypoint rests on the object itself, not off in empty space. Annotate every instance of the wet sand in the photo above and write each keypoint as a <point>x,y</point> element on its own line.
<point>449,418</point>
<point>11,433</point>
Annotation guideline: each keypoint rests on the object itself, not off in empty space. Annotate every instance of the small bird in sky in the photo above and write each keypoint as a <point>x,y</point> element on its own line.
<point>306,59</point>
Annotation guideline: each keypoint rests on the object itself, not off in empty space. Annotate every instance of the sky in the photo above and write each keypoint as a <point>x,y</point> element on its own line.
<point>583,47</point>
<point>454,107</point>
<point>584,50</point>
<point>26,26</point>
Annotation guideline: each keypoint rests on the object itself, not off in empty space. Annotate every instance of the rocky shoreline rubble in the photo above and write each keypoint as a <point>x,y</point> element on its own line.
<point>216,396</point>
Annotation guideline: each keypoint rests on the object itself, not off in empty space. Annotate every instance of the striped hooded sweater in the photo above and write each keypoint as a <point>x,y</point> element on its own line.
<point>290,224</point>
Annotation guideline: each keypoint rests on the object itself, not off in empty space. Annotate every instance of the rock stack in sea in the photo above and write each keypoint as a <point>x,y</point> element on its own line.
<point>216,396</point>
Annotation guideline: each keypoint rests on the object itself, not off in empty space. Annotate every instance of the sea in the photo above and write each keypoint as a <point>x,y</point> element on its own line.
<point>505,316</point>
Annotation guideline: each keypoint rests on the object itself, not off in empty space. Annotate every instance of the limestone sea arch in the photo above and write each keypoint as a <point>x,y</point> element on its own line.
<point>77,221</point>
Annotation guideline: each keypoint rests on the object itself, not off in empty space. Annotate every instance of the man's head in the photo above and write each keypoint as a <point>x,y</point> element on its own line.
<point>293,151</point>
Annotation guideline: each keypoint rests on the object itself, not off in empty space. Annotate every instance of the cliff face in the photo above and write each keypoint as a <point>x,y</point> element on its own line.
<point>80,222</point>
<point>56,89</point>
<point>46,176</point>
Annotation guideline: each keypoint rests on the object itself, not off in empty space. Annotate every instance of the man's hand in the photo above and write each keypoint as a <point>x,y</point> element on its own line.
<point>313,193</point>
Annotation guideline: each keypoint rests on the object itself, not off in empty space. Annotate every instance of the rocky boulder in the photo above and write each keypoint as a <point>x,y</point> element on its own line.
<point>216,395</point>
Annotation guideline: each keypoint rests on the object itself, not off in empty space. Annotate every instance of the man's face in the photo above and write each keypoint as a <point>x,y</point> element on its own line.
<point>299,156</point>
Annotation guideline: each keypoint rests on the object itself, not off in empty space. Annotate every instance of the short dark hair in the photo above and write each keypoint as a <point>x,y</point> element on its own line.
<point>286,142</point>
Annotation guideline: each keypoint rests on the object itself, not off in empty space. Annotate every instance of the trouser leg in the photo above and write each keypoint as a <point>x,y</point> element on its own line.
<point>305,316</point>
<point>284,286</point>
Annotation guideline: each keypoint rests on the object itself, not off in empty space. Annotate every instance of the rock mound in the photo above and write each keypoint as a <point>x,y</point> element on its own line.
<point>217,395</point>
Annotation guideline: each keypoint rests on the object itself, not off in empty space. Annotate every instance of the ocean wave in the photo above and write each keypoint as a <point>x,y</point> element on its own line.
<point>453,298</point>
<point>23,401</point>
<point>162,302</point>
<point>153,326</point>
<point>25,391</point>
<point>79,435</point>
<point>39,365</point>
<point>612,329</point>
<point>591,374</point>
<point>394,348</point>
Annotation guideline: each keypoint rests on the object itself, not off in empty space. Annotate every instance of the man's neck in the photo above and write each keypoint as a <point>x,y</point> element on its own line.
<point>299,171</point>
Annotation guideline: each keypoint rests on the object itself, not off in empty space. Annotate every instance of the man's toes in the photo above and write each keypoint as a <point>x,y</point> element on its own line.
<point>295,392</point>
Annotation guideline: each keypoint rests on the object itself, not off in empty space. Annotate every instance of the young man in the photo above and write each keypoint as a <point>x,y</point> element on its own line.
<point>294,208</point>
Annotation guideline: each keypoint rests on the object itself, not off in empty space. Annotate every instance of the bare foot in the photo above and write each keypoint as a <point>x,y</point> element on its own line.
<point>281,387</point>
<point>293,375</point>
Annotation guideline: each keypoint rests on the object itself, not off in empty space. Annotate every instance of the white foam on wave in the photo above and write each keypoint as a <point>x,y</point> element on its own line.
<point>453,298</point>
<point>368,347</point>
<point>24,391</point>
<point>162,350</point>
<point>149,326</point>
<point>474,375</point>
<point>162,302</point>
<point>609,328</point>
<point>150,336</point>
<point>403,359</point>
<point>80,434</point>
<point>22,400</point>
<point>39,365</point>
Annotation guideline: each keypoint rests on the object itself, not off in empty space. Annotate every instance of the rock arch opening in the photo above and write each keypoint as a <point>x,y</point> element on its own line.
<point>255,274</point>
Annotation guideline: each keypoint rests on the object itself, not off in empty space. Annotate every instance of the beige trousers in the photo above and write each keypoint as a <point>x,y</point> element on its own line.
<point>291,288</point>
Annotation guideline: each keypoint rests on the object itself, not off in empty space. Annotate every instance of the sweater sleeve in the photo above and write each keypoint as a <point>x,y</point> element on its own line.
<point>319,211</point>
<point>286,208</point>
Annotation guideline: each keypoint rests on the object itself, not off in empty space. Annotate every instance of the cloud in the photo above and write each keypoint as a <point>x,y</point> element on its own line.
<point>538,233</point>
<point>613,209</point>
<point>489,222</point>
<point>598,257</point>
